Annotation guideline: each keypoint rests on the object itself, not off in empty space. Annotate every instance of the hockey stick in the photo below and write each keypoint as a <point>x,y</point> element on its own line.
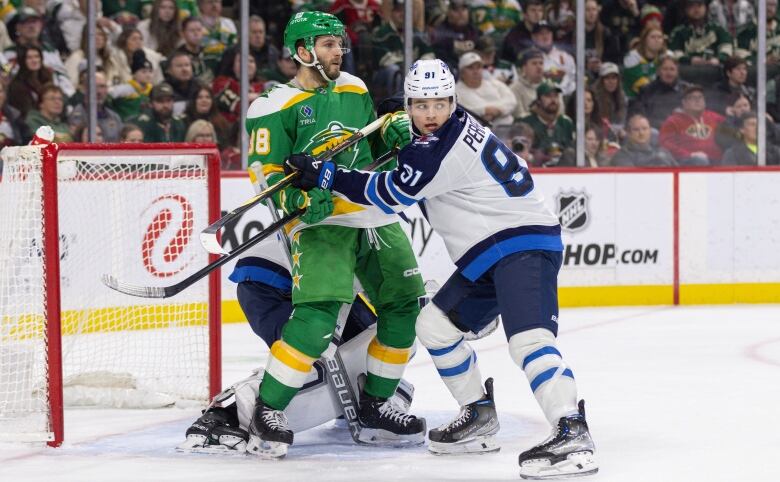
<point>168,291</point>
<point>208,237</point>
<point>341,387</point>
<point>337,376</point>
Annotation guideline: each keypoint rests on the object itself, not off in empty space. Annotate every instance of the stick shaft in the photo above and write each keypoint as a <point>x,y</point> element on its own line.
<point>213,228</point>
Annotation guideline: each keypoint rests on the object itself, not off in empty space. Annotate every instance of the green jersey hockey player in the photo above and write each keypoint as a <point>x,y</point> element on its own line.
<point>320,107</point>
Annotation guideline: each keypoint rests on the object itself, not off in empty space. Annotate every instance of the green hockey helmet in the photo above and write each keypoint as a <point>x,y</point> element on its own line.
<point>307,26</point>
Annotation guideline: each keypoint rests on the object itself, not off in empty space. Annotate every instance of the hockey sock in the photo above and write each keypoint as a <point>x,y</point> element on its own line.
<point>551,380</point>
<point>385,366</point>
<point>390,351</point>
<point>285,373</point>
<point>453,356</point>
<point>304,337</point>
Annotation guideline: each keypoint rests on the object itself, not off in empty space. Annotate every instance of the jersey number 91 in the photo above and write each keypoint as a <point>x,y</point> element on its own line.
<point>506,169</point>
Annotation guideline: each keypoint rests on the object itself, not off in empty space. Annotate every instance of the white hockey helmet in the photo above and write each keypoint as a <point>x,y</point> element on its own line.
<point>429,79</point>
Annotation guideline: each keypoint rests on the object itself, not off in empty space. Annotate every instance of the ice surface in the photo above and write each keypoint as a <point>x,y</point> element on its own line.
<point>673,394</point>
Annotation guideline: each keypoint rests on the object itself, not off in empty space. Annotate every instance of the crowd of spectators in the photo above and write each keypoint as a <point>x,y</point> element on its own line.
<point>667,82</point>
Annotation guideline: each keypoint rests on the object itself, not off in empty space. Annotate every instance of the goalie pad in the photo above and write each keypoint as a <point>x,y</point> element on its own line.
<point>314,404</point>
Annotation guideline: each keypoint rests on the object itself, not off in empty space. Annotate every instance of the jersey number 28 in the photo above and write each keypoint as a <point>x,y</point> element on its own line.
<point>505,168</point>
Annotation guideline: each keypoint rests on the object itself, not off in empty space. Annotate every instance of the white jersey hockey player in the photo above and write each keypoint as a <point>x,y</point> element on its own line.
<point>479,196</point>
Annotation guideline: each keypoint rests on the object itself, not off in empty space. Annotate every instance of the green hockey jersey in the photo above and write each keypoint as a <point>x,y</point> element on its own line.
<point>286,120</point>
<point>496,17</point>
<point>708,41</point>
<point>747,41</point>
<point>637,72</point>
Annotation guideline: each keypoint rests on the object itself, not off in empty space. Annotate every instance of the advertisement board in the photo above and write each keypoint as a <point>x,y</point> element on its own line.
<point>156,226</point>
<point>617,231</point>
<point>729,236</point>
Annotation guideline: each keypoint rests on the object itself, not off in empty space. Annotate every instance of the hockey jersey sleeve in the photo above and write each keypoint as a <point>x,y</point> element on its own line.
<point>424,170</point>
<point>269,141</point>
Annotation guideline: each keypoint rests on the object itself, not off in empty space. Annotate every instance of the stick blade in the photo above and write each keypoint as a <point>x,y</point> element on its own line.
<point>208,239</point>
<point>133,290</point>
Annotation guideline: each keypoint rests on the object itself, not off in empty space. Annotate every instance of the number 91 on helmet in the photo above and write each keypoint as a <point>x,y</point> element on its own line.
<point>429,79</point>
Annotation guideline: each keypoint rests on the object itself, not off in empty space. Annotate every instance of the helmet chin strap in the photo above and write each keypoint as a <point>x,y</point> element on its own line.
<point>412,129</point>
<point>314,63</point>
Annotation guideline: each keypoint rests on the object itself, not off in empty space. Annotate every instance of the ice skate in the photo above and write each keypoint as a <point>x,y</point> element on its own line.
<point>216,431</point>
<point>384,423</point>
<point>472,431</point>
<point>269,436</point>
<point>568,452</point>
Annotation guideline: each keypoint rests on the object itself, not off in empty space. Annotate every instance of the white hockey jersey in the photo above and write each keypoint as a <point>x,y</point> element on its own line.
<point>266,262</point>
<point>474,191</point>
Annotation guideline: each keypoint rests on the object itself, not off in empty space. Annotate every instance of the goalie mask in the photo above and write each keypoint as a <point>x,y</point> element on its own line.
<point>307,26</point>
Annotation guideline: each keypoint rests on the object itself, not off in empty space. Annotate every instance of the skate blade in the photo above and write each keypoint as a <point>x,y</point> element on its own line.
<point>383,438</point>
<point>578,464</point>
<point>265,449</point>
<point>478,445</point>
<point>196,444</point>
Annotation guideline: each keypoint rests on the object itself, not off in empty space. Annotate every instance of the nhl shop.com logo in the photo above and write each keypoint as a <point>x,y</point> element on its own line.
<point>572,209</point>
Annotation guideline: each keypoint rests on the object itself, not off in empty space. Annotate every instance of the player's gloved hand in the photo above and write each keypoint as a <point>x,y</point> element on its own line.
<point>293,198</point>
<point>395,130</point>
<point>320,206</point>
<point>318,203</point>
<point>313,173</point>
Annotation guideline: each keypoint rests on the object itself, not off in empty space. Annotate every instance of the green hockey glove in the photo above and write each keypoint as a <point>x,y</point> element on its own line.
<point>395,130</point>
<point>320,206</point>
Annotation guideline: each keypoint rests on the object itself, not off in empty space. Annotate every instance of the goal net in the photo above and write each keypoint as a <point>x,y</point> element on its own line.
<point>130,212</point>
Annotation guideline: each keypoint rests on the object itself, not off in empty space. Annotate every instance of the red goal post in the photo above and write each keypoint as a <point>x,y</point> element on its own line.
<point>71,213</point>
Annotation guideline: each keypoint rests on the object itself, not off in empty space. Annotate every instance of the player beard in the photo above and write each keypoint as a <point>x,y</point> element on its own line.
<point>333,70</point>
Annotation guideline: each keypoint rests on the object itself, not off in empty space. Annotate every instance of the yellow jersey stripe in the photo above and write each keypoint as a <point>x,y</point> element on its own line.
<point>291,357</point>
<point>353,89</point>
<point>297,98</point>
<point>340,206</point>
<point>269,169</point>
<point>388,354</point>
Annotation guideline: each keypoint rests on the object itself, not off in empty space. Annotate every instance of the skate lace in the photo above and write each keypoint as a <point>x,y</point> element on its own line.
<point>463,417</point>
<point>557,435</point>
<point>388,410</point>
<point>275,419</point>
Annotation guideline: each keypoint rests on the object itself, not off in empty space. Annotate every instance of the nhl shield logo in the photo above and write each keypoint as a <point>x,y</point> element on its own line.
<point>573,210</point>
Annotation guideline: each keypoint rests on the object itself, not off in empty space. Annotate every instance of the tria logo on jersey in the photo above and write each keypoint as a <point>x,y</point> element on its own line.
<point>572,209</point>
<point>306,115</point>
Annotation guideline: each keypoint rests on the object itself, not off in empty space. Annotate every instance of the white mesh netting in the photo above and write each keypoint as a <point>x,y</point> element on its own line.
<point>136,218</point>
<point>24,407</point>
